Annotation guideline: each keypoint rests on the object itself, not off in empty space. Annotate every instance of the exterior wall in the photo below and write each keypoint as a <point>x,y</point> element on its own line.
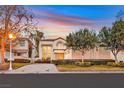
<point>62,46</point>
<point>100,53</point>
<point>68,54</point>
<point>23,56</point>
<point>18,47</point>
<point>58,46</point>
<point>120,56</point>
<point>23,50</point>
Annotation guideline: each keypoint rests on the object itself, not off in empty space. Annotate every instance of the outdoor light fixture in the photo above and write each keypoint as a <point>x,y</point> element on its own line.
<point>11,36</point>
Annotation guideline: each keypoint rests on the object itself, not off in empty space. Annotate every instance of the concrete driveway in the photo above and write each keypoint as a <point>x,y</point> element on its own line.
<point>34,68</point>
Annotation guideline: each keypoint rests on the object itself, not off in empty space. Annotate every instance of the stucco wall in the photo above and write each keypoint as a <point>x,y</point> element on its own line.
<point>100,53</point>
<point>21,47</point>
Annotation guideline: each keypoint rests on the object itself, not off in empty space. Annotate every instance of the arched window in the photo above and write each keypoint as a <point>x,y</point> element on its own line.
<point>60,44</point>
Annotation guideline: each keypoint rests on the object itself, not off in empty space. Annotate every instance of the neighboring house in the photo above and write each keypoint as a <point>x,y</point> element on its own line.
<point>20,49</point>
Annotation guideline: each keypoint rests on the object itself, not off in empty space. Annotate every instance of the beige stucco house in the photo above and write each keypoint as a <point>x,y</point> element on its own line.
<point>55,49</point>
<point>20,49</point>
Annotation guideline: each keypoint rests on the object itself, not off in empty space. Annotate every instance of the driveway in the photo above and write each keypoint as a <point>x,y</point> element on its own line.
<point>34,68</point>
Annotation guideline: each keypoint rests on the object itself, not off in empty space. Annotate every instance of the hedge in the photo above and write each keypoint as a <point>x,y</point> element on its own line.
<point>83,64</point>
<point>93,61</point>
<point>41,61</point>
<point>20,61</point>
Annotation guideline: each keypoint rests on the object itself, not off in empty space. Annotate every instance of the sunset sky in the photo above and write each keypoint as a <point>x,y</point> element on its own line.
<point>60,20</point>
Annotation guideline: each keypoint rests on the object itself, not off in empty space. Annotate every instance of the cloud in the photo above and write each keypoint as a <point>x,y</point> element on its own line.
<point>60,24</point>
<point>61,19</point>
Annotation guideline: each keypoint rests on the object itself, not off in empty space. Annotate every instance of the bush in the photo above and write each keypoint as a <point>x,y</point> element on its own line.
<point>42,61</point>
<point>62,62</point>
<point>83,64</point>
<point>20,61</point>
<point>73,61</point>
<point>99,61</point>
<point>119,64</point>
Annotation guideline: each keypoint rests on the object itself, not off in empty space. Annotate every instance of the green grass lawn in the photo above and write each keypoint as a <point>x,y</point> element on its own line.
<point>18,65</point>
<point>91,68</point>
<point>14,65</point>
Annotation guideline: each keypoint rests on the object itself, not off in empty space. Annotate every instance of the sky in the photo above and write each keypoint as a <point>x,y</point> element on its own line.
<point>60,20</point>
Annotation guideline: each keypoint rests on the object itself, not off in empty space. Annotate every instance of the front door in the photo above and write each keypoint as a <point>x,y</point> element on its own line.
<point>59,56</point>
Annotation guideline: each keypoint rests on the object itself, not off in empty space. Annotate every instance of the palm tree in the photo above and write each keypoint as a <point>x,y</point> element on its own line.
<point>36,37</point>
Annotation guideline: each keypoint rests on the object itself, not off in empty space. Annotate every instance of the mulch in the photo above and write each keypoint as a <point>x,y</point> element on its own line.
<point>4,66</point>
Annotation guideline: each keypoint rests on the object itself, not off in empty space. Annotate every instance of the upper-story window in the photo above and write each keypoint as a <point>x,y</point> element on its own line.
<point>60,44</point>
<point>22,43</point>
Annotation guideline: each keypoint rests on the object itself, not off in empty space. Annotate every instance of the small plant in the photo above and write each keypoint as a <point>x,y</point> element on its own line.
<point>116,64</point>
<point>83,64</point>
<point>20,61</point>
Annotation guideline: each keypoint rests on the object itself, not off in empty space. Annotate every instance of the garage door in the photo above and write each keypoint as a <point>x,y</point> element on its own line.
<point>59,56</point>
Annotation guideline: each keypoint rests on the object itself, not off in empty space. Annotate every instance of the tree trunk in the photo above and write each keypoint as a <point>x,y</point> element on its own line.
<point>116,59</point>
<point>82,58</point>
<point>115,53</point>
<point>2,51</point>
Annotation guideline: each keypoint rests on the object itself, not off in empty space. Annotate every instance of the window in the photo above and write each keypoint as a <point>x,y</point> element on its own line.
<point>46,52</point>
<point>22,43</point>
<point>60,45</point>
<point>18,54</point>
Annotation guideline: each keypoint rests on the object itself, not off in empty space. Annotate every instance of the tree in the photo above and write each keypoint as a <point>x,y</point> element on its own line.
<point>82,41</point>
<point>13,19</point>
<point>37,37</point>
<point>113,38</point>
<point>120,15</point>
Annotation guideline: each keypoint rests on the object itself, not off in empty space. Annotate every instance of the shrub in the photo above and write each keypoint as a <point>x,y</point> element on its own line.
<point>42,61</point>
<point>73,61</point>
<point>38,61</point>
<point>62,62</point>
<point>83,64</point>
<point>119,64</point>
<point>20,61</point>
<point>99,61</point>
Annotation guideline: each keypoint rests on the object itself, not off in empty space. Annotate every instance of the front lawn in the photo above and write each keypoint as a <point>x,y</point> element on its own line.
<point>91,68</point>
<point>18,65</point>
<point>14,65</point>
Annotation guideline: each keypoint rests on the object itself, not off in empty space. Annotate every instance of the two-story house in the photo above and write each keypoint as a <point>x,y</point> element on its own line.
<point>55,49</point>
